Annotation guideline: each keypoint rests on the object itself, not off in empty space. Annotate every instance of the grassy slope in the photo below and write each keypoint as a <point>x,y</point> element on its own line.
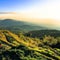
<point>25,48</point>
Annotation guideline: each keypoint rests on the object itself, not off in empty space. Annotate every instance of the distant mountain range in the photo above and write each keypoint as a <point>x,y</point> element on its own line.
<point>14,25</point>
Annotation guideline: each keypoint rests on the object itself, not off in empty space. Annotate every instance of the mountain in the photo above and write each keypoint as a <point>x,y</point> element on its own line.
<point>13,25</point>
<point>28,45</point>
<point>20,47</point>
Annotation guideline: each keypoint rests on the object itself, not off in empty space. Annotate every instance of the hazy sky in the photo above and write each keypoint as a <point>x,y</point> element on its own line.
<point>38,11</point>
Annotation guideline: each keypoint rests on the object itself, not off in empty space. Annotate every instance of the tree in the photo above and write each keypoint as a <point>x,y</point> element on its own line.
<point>48,40</point>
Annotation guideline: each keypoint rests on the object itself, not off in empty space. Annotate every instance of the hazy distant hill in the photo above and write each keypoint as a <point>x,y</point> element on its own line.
<point>9,24</point>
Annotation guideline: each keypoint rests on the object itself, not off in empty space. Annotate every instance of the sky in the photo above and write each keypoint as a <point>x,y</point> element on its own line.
<point>38,11</point>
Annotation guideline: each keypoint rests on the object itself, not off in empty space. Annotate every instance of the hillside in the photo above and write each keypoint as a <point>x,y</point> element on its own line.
<point>18,26</point>
<point>42,33</point>
<point>20,47</point>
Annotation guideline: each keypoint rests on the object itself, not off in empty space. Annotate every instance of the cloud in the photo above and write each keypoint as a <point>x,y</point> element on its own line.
<point>45,9</point>
<point>7,12</point>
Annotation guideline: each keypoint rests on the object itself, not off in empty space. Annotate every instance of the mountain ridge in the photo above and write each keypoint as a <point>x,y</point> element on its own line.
<point>10,24</point>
